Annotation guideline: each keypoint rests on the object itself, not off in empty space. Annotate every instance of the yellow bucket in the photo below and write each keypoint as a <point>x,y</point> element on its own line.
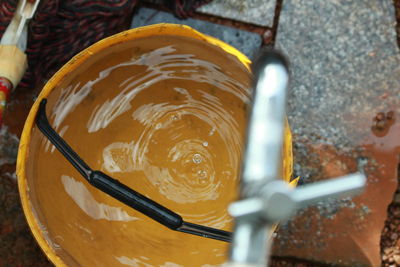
<point>76,224</point>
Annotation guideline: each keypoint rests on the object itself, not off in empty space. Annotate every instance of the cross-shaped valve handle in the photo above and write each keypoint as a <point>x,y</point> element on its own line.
<point>278,201</point>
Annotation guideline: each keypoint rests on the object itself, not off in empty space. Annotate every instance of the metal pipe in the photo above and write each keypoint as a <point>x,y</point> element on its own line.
<point>266,199</point>
<point>263,153</point>
<point>262,159</point>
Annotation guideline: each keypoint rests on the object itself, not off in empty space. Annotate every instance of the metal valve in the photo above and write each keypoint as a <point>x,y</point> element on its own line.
<point>266,199</point>
<point>278,201</point>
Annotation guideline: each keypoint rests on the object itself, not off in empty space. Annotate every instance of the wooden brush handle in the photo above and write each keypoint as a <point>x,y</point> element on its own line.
<point>13,64</point>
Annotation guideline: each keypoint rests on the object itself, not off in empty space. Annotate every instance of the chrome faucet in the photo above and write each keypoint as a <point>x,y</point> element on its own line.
<point>266,199</point>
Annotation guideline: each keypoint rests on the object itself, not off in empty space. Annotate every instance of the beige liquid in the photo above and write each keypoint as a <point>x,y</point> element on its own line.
<point>165,116</point>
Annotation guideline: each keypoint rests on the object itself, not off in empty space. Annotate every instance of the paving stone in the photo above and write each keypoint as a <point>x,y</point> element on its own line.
<point>259,12</point>
<point>343,104</point>
<point>344,59</point>
<point>246,42</point>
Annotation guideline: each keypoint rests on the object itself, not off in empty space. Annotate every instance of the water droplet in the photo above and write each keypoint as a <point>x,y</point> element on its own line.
<point>158,126</point>
<point>212,131</point>
<point>174,118</point>
<point>205,144</point>
<point>197,158</point>
<point>202,174</point>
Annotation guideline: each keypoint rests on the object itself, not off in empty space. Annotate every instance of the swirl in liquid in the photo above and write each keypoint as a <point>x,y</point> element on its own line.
<point>163,115</point>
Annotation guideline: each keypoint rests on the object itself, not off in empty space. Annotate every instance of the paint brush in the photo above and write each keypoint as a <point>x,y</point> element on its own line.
<point>13,60</point>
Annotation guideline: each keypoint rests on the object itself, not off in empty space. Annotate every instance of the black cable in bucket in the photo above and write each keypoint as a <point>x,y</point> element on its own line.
<point>122,192</point>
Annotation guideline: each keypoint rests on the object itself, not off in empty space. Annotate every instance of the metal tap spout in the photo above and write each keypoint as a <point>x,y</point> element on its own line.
<point>263,153</point>
<point>265,198</point>
<point>266,124</point>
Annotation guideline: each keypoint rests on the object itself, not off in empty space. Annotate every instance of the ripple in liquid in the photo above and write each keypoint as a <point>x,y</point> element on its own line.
<point>173,131</point>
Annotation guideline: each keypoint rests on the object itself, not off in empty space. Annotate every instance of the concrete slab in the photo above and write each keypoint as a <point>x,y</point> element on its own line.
<point>246,42</point>
<point>259,12</point>
<point>343,104</point>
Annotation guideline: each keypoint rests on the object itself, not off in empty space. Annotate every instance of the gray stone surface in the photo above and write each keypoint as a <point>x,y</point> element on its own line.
<point>259,12</point>
<point>246,42</point>
<point>344,57</point>
<point>345,69</point>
